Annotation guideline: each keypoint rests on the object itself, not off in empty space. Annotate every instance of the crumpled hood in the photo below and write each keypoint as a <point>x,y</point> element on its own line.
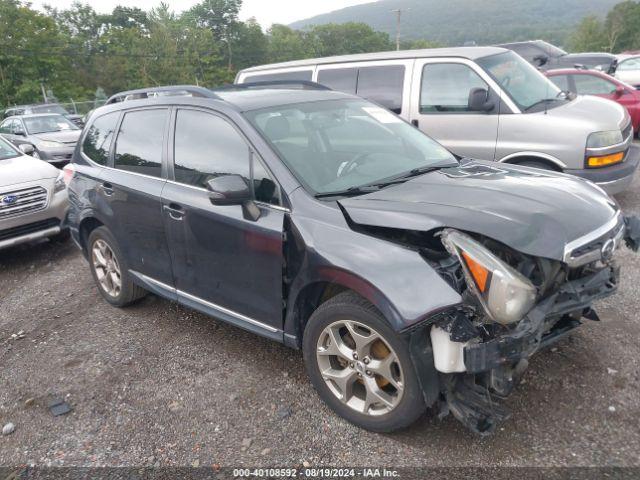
<point>532,211</point>
<point>607,115</point>
<point>23,169</point>
<point>69,136</point>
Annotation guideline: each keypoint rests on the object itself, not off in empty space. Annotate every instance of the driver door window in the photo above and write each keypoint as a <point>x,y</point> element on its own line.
<point>207,146</point>
<point>445,88</point>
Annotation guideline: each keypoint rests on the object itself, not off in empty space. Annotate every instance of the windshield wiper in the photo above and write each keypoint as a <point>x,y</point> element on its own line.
<point>540,102</point>
<point>416,172</point>
<point>349,192</point>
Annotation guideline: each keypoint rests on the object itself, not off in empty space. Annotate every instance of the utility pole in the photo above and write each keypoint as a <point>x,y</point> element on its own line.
<point>398,13</point>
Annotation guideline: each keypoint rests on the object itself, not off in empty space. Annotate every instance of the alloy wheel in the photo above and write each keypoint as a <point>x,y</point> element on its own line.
<point>107,268</point>
<point>360,368</point>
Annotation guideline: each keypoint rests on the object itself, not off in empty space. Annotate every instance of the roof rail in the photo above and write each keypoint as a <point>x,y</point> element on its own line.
<point>172,90</point>
<point>302,84</point>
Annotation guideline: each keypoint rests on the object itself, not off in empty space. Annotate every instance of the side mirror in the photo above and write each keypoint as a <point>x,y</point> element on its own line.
<point>619,91</point>
<point>19,131</point>
<point>541,60</point>
<point>229,190</point>
<point>26,148</point>
<point>479,100</point>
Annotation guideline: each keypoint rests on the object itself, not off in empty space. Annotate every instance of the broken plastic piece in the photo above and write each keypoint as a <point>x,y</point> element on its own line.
<point>632,233</point>
<point>58,407</point>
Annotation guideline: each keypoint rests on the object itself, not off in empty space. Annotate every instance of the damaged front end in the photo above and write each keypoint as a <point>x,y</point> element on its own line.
<point>513,305</point>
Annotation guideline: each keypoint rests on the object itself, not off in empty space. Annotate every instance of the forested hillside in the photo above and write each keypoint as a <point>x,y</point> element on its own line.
<point>453,22</point>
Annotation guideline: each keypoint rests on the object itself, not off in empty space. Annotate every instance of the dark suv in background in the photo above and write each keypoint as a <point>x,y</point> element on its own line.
<point>547,57</point>
<point>408,277</point>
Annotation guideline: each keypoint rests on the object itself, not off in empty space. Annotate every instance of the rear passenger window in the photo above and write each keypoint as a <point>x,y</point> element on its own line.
<point>98,139</point>
<point>139,142</point>
<point>304,75</point>
<point>383,85</point>
<point>341,79</point>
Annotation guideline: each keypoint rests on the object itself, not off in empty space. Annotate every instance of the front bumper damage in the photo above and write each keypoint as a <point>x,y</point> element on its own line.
<point>494,362</point>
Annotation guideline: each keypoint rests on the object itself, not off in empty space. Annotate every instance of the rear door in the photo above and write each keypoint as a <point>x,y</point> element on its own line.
<point>224,263</point>
<point>439,107</point>
<point>131,192</point>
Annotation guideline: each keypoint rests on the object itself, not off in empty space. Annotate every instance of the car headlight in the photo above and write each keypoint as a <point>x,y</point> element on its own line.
<point>505,294</point>
<point>604,139</point>
<point>60,185</point>
<point>49,144</point>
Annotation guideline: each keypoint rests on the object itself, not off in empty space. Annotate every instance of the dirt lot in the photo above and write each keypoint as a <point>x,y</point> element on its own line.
<point>158,384</point>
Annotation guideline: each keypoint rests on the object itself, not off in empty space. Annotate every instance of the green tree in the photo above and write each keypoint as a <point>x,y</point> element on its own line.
<point>286,44</point>
<point>589,36</point>
<point>346,38</point>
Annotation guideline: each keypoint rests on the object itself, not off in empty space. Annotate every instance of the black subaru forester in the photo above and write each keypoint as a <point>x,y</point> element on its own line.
<point>410,278</point>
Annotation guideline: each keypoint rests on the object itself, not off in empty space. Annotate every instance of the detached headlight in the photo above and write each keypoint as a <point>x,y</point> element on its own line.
<point>505,294</point>
<point>604,139</point>
<point>49,144</point>
<point>60,185</point>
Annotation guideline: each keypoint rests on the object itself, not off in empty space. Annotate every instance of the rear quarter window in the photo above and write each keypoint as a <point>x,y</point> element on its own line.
<point>97,141</point>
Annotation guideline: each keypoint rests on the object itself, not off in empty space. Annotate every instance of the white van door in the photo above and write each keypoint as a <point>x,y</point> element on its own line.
<point>440,106</point>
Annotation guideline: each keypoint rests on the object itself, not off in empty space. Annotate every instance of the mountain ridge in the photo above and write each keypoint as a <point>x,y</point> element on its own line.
<point>485,22</point>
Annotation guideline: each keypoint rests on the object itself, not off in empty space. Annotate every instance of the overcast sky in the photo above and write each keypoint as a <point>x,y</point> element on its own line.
<point>266,11</point>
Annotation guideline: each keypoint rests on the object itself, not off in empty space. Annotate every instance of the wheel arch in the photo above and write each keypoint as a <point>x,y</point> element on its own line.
<point>87,225</point>
<point>305,300</point>
<point>551,161</point>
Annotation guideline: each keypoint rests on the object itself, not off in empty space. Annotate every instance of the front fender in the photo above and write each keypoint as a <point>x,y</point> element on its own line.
<point>396,279</point>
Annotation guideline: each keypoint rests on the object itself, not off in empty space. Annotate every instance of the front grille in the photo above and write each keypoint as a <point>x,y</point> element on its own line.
<point>597,244</point>
<point>66,156</point>
<point>627,131</point>
<point>29,228</point>
<point>28,200</point>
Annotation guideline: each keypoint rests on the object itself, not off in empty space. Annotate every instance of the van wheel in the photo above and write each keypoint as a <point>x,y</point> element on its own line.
<point>110,271</point>
<point>360,367</point>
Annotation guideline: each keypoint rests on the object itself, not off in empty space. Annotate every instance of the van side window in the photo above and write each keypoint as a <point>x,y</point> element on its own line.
<point>341,79</point>
<point>446,86</point>
<point>98,140</point>
<point>304,75</point>
<point>383,85</point>
<point>139,142</point>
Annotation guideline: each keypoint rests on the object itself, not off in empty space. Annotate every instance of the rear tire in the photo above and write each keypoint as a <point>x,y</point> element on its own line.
<point>366,393</point>
<point>110,270</point>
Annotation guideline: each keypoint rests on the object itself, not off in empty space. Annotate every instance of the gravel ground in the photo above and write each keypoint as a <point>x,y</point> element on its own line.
<point>159,384</point>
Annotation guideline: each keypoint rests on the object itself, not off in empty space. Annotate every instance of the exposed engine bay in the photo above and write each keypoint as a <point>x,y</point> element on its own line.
<point>513,305</point>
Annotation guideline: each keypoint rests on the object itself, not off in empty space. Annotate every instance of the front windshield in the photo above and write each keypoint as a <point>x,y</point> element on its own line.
<point>525,85</point>
<point>49,109</point>
<point>337,145</point>
<point>47,123</point>
<point>6,150</point>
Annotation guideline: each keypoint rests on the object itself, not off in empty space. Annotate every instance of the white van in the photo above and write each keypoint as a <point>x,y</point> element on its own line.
<point>483,102</point>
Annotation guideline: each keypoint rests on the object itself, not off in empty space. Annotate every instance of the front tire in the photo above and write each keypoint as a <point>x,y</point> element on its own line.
<point>360,367</point>
<point>110,271</point>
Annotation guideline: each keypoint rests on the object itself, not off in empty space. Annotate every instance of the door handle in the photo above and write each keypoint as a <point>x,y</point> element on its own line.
<point>107,188</point>
<point>174,210</point>
<point>415,123</point>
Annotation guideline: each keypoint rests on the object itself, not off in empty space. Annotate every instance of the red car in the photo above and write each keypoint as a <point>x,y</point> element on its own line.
<point>593,82</point>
